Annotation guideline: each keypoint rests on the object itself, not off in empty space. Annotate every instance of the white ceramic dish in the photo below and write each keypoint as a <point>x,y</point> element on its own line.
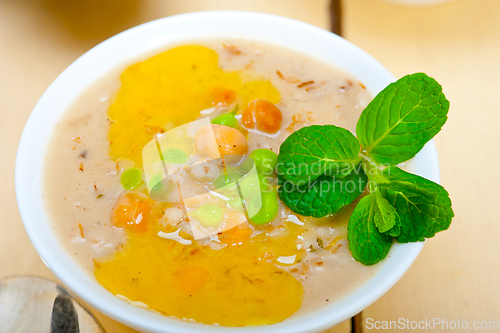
<point>159,34</point>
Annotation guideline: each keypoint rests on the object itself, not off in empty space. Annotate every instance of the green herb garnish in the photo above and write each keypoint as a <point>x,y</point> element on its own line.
<point>367,244</point>
<point>323,168</point>
<point>423,206</point>
<point>317,150</point>
<point>402,118</point>
<point>385,216</point>
<point>323,196</point>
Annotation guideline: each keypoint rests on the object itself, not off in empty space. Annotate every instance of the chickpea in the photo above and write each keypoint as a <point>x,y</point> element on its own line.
<point>189,189</point>
<point>228,141</point>
<point>222,96</point>
<point>172,216</point>
<point>190,279</point>
<point>263,115</point>
<point>205,171</point>
<point>132,212</point>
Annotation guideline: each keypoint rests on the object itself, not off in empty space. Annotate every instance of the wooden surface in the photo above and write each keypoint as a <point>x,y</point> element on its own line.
<point>457,274</point>
<point>458,43</point>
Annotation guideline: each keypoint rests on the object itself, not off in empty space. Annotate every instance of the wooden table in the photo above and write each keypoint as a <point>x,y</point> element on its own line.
<point>456,276</point>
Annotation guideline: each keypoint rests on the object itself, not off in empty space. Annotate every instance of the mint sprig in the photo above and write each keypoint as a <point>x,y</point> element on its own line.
<point>323,196</point>
<point>367,244</point>
<point>423,206</point>
<point>400,120</point>
<point>393,128</point>
<point>385,216</point>
<point>317,150</point>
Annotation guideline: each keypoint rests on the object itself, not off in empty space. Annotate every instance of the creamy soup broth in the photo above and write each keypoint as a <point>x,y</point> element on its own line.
<point>82,179</point>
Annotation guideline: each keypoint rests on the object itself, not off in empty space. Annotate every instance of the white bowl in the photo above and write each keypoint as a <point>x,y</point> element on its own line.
<point>160,34</point>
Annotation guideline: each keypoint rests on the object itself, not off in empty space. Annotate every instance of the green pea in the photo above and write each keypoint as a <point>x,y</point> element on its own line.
<point>155,183</point>
<point>253,184</point>
<point>131,178</point>
<point>174,155</point>
<point>264,183</point>
<point>265,160</point>
<point>267,211</point>
<point>235,203</point>
<point>228,119</point>
<point>245,167</point>
<point>226,179</point>
<point>209,215</point>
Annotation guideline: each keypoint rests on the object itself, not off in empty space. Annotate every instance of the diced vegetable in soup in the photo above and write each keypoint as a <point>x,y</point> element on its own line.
<point>161,182</point>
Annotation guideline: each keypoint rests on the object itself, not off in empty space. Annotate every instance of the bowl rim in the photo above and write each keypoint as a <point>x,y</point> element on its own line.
<point>29,161</point>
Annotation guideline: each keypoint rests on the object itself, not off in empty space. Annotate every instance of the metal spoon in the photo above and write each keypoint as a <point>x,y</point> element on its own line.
<point>31,304</point>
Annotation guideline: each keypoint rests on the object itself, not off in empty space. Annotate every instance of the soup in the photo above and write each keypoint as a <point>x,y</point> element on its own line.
<point>181,244</point>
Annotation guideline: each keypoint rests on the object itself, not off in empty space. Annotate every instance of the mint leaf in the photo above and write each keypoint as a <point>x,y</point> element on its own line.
<point>324,196</point>
<point>395,231</point>
<point>423,206</point>
<point>402,118</point>
<point>366,243</point>
<point>385,216</point>
<point>317,150</point>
